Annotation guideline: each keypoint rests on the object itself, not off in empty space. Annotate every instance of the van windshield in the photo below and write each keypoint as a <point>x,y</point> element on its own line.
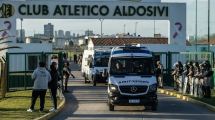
<point>131,66</point>
<point>101,62</point>
<point>101,59</point>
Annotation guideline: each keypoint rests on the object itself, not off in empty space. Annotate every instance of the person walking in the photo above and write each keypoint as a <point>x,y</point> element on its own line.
<point>66,74</point>
<point>80,59</point>
<point>41,77</point>
<point>75,58</point>
<point>53,85</point>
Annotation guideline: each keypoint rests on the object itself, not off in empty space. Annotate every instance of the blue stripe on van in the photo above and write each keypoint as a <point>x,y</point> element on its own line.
<point>131,51</point>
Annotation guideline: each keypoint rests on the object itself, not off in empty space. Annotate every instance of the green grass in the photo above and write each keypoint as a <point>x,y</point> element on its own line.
<point>210,101</point>
<point>15,104</point>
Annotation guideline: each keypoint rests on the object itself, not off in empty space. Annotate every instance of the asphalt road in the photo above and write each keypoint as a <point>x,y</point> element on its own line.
<point>85,102</point>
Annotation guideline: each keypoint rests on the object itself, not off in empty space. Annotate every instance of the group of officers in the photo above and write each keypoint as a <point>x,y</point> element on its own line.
<point>192,78</point>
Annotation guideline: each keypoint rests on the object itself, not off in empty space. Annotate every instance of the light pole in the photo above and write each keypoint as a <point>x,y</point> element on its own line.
<point>124,26</point>
<point>101,20</point>
<point>154,28</point>
<point>135,33</point>
<point>21,30</point>
<point>196,26</point>
<point>208,25</point>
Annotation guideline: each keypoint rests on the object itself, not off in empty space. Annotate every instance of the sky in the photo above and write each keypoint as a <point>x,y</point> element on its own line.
<point>144,27</point>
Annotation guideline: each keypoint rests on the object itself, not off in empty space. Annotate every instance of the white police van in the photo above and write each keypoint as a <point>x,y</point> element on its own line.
<point>95,65</point>
<point>131,78</point>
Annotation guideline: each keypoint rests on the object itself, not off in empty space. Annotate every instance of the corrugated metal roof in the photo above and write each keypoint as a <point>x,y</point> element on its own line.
<point>124,41</point>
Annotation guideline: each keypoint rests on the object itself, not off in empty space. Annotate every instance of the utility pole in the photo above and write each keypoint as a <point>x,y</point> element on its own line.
<point>208,25</point>
<point>135,32</point>
<point>21,40</point>
<point>124,28</point>
<point>196,32</point>
<point>154,28</point>
<point>101,20</point>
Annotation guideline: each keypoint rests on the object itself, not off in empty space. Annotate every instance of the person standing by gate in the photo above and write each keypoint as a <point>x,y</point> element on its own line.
<point>159,74</point>
<point>41,77</point>
<point>53,85</point>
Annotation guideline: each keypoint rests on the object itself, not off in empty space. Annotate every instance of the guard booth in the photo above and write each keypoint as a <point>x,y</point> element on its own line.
<point>20,67</point>
<point>169,58</point>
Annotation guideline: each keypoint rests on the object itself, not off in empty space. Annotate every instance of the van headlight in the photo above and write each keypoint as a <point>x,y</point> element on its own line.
<point>113,88</point>
<point>153,88</point>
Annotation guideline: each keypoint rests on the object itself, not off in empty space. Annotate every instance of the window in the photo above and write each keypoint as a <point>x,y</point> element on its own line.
<point>131,66</point>
<point>32,62</point>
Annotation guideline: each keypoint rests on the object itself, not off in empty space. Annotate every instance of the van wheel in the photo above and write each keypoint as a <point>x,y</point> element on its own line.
<point>85,80</point>
<point>111,107</point>
<point>94,80</point>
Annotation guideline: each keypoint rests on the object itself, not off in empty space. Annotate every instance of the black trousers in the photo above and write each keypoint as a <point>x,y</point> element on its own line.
<point>54,96</point>
<point>66,83</point>
<point>35,95</point>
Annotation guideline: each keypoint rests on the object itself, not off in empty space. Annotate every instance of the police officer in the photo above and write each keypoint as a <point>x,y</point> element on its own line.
<point>159,74</point>
<point>185,77</point>
<point>177,74</point>
<point>180,81</point>
<point>190,78</point>
<point>174,74</point>
<point>195,78</point>
<point>207,78</point>
<point>201,79</point>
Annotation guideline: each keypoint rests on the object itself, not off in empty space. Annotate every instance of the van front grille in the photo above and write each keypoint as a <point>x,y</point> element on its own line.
<point>133,89</point>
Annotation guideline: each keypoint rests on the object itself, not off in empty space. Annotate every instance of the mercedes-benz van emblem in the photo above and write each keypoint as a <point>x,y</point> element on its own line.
<point>133,89</point>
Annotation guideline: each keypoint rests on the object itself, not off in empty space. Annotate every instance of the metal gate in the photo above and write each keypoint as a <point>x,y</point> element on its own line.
<point>20,67</point>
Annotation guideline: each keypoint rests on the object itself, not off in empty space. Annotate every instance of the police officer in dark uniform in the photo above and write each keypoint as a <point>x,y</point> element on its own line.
<point>207,79</point>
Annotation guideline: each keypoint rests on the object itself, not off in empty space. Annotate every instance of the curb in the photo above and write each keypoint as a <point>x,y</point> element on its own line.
<point>188,99</point>
<point>52,114</point>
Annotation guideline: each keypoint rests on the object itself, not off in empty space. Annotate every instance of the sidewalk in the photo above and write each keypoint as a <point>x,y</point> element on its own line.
<point>52,114</point>
<point>206,102</point>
